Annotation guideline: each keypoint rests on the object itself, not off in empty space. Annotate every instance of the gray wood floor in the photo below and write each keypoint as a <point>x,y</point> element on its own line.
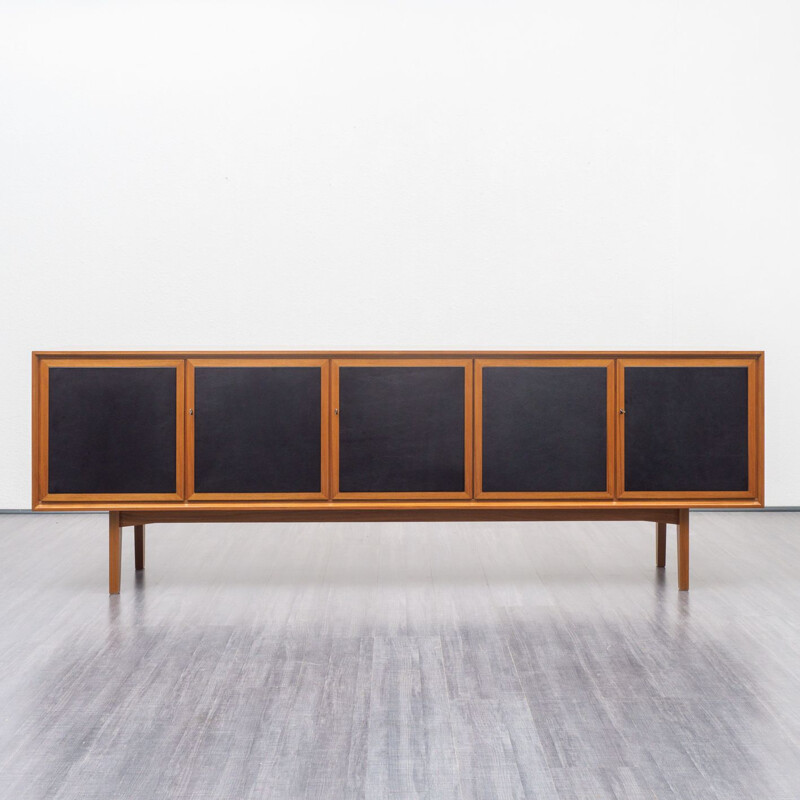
<point>436,660</point>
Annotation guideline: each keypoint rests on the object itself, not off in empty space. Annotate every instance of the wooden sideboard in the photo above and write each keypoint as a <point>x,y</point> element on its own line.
<point>372,436</point>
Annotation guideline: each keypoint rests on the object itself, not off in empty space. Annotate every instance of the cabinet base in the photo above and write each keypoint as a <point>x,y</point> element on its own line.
<point>138,519</point>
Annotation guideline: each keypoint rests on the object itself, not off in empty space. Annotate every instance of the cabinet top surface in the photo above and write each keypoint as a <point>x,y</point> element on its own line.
<point>398,353</point>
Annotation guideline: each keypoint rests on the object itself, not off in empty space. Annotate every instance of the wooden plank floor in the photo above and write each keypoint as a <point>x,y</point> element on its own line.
<point>392,660</point>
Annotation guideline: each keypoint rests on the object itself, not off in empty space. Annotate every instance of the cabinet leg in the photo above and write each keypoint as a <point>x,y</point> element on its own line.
<point>138,544</point>
<point>683,549</point>
<point>114,552</point>
<point>661,544</point>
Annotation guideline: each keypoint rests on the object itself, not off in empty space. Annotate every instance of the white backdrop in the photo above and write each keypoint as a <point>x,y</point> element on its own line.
<point>415,175</point>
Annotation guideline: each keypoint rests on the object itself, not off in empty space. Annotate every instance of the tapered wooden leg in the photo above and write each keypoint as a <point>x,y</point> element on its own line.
<point>661,544</point>
<point>138,545</point>
<point>114,552</point>
<point>683,549</point>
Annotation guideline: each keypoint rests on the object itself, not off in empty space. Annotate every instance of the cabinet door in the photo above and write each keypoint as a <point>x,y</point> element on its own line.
<point>258,428</point>
<point>687,428</point>
<point>402,428</point>
<point>110,429</point>
<point>544,428</point>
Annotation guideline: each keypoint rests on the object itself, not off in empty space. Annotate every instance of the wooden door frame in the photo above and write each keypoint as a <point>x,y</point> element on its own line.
<point>755,427</point>
<point>610,367</point>
<point>466,363</point>
<point>41,428</point>
<point>324,367</point>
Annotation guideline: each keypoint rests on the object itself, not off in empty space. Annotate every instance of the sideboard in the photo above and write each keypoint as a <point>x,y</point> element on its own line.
<point>375,436</point>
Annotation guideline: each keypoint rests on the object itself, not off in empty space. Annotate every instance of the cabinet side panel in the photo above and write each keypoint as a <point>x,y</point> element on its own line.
<point>36,445</point>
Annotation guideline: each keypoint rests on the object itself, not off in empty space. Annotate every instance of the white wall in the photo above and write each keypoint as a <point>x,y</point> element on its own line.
<point>429,174</point>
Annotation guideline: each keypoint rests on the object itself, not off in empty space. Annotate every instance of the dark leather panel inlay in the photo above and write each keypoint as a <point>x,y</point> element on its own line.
<point>257,429</point>
<point>686,429</point>
<point>112,430</point>
<point>401,429</point>
<point>544,429</point>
